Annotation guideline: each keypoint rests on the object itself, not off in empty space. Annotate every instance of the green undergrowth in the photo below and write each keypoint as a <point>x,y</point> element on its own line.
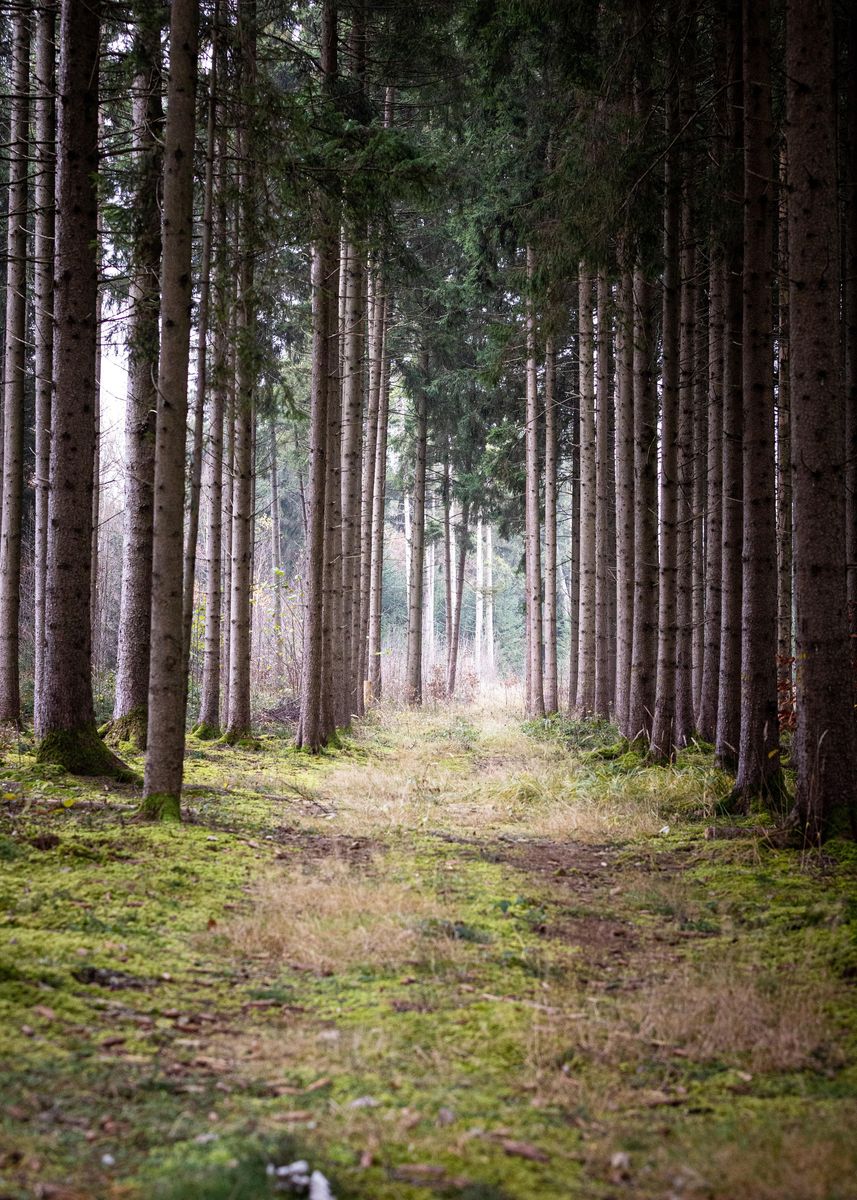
<point>662,1009</point>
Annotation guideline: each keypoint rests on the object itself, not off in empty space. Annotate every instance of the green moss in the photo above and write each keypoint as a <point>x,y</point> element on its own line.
<point>161,806</point>
<point>130,729</point>
<point>82,752</point>
<point>206,733</point>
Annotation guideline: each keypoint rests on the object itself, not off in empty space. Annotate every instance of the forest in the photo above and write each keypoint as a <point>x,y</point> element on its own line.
<point>428,599</point>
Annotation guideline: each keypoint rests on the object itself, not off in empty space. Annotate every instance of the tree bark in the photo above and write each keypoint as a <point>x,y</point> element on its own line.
<point>463,531</point>
<point>851,333</point>
<point>585,699</point>
<point>759,771</point>
<point>413,666</point>
<point>202,334</point>
<point>684,711</point>
<point>663,736</point>
<point>375,306</point>
<point>352,418</point>
<point>489,602</point>
<point>479,631</point>
<point>551,680</point>
<point>65,715</point>
<point>167,691</point>
<point>574,554</point>
<point>785,559</point>
<point>826,797</point>
<point>706,720</point>
<point>533,571</point>
<point>209,709</point>
<point>14,371</point>
<point>239,723</point>
<point>728,731</point>
<point>378,499</point>
<point>43,297</point>
<point>625,550</point>
<point>130,709</point>
<point>605,528</point>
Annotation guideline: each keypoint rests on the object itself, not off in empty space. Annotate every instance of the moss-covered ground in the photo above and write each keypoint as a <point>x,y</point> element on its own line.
<point>457,956</point>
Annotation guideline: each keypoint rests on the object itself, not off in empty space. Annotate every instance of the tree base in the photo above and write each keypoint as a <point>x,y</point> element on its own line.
<point>770,792</point>
<point>161,806</point>
<point>131,728</point>
<point>206,732</point>
<point>241,738</point>
<point>82,752</point>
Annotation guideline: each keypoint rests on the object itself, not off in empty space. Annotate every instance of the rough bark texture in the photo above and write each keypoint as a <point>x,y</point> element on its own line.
<point>641,705</point>
<point>43,297</point>
<point>202,335</point>
<point>311,732</point>
<point>604,497</point>
<point>706,720</point>
<point>625,556</point>
<point>167,693</point>
<point>785,558</point>
<point>239,723</point>
<point>378,499</point>
<point>134,640</point>
<point>458,596</point>
<point>759,771</point>
<point>209,707</point>
<point>65,715</point>
<point>699,493</point>
<point>851,334</point>
<point>663,736</point>
<point>375,306</point>
<point>585,700</point>
<point>13,371</point>
<point>551,680</point>
<point>532,548</point>
<point>825,748</point>
<point>574,555</point>
<point>352,417</point>
<point>276,559</point>
<point>727,734</point>
<point>414,660</point>
<point>684,708</point>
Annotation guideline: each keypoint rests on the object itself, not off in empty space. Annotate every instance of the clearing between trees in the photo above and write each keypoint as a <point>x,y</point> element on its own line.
<point>456,956</point>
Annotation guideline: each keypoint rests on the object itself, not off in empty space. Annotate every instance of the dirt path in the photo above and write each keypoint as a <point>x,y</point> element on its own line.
<point>455,958</point>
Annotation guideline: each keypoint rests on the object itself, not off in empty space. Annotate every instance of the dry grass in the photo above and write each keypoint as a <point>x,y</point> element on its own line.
<point>737,1013</point>
<point>335,915</point>
<point>766,1019</point>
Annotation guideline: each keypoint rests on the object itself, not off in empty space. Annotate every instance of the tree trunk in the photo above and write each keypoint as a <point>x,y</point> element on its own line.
<point>785,560</point>
<point>447,555</point>
<point>851,334</point>
<point>336,695</point>
<point>826,797</point>
<point>239,724</point>
<point>700,493</point>
<point>605,536</point>
<point>167,690</point>
<point>202,334</point>
<point>625,551</point>
<point>209,708</point>
<point>585,700</point>
<point>729,695</point>
<point>684,711</point>
<point>574,554</point>
<point>489,603</point>
<point>458,597</point>
<point>14,371</point>
<point>413,667</point>
<point>43,305</point>
<point>375,305</point>
<point>759,771</point>
<point>551,457</point>
<point>533,571</point>
<point>663,736</point>
<point>276,560</point>
<point>228,489</point>
<point>130,709</point>
<point>352,417</point>
<point>706,720</point>
<point>479,632</point>
<point>65,716</point>
<point>378,498</point>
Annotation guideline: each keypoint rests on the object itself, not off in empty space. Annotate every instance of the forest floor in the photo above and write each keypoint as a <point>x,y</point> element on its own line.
<point>458,956</point>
